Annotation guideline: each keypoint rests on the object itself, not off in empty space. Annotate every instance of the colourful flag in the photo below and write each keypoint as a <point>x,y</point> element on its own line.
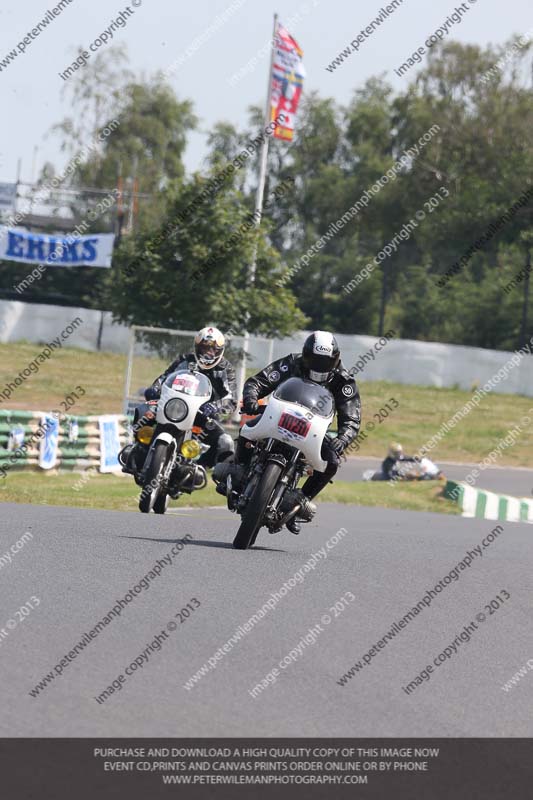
<point>287,82</point>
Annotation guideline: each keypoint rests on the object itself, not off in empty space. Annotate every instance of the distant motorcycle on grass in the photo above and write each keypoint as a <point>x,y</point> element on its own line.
<point>409,469</point>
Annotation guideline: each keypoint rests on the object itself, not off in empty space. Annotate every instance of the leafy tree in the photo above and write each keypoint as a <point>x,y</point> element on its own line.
<point>195,267</point>
<point>479,104</point>
<point>121,127</point>
<point>139,129</point>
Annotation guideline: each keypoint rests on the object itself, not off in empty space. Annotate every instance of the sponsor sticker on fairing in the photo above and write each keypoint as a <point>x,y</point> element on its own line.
<point>187,384</point>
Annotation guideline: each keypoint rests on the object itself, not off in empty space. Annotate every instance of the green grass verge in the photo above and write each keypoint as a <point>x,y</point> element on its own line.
<point>100,374</point>
<point>119,493</point>
<point>421,410</point>
<point>419,496</point>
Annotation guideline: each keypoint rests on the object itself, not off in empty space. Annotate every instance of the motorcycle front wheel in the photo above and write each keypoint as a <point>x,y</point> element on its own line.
<point>152,494</point>
<point>252,519</point>
<point>161,503</point>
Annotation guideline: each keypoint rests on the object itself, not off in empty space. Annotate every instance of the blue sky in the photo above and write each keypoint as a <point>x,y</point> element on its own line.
<point>159,32</point>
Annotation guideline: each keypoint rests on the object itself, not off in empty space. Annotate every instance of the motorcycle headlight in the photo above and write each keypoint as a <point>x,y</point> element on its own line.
<point>144,435</point>
<point>190,449</point>
<point>176,409</point>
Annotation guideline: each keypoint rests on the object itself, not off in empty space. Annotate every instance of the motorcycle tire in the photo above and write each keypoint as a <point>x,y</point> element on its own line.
<point>161,503</point>
<point>148,500</point>
<point>252,518</point>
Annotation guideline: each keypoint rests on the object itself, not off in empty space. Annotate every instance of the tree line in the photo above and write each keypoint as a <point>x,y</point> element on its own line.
<point>432,231</point>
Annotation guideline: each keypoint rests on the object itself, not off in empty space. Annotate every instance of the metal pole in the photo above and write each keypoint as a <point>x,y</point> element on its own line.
<point>34,162</point>
<point>259,195</point>
<point>129,368</point>
<point>100,331</point>
<point>523,324</point>
<point>241,370</point>
<point>19,170</point>
<point>271,351</point>
<point>383,301</point>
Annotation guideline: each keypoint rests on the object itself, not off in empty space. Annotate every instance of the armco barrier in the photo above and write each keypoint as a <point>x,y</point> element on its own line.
<point>489,505</point>
<point>79,440</point>
<point>430,363</point>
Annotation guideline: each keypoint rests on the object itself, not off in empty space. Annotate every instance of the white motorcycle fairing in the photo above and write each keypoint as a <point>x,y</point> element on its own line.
<point>275,423</point>
<point>192,388</point>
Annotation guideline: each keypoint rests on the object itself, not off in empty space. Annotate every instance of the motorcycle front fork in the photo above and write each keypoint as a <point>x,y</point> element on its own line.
<point>287,480</point>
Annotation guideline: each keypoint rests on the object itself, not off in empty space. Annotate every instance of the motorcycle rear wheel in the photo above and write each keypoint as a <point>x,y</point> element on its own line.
<point>252,519</point>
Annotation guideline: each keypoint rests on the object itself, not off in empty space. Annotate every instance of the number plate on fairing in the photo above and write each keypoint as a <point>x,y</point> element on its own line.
<point>187,384</point>
<point>296,426</point>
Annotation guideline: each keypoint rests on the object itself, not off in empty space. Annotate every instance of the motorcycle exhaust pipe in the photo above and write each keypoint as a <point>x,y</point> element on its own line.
<point>290,515</point>
<point>199,478</point>
<point>188,478</point>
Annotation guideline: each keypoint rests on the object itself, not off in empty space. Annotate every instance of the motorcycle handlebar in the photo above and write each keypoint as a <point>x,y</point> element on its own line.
<point>209,423</point>
<point>261,410</point>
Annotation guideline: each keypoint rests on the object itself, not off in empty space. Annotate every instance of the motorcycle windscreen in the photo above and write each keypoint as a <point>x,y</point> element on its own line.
<point>310,395</point>
<point>192,383</point>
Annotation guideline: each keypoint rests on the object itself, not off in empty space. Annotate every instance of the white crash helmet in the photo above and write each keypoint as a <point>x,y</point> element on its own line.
<point>395,450</point>
<point>209,344</point>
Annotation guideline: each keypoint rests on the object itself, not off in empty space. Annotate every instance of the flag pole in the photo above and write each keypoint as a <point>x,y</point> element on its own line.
<point>259,196</point>
<point>259,199</point>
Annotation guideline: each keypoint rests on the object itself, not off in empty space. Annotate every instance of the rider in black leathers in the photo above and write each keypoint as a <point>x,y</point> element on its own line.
<point>208,355</point>
<point>319,362</point>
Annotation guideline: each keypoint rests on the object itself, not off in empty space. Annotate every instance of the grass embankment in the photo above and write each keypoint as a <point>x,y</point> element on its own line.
<point>121,494</point>
<point>421,410</point>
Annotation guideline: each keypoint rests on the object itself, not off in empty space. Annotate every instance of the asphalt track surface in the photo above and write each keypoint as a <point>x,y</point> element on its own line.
<point>515,481</point>
<point>80,562</point>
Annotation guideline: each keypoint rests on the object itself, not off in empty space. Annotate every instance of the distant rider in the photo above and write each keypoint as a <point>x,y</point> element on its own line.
<point>208,355</point>
<point>398,466</point>
<point>394,465</point>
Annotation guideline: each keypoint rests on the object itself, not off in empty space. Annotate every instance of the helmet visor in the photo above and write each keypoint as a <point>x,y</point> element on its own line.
<point>319,367</point>
<point>319,377</point>
<point>208,352</point>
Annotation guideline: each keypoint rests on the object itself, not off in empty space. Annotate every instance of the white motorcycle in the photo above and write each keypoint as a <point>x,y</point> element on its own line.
<point>417,469</point>
<point>167,467</point>
<point>287,441</point>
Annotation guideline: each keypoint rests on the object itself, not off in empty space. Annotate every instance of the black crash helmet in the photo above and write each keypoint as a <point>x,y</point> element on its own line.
<point>320,356</point>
